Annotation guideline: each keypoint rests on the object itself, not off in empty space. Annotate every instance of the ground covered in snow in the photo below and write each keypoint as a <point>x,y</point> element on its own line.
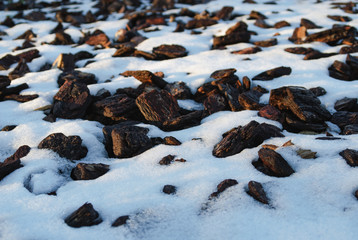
<point>316,202</point>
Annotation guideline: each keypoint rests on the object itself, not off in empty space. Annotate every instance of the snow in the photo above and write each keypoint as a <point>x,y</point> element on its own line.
<point>316,202</point>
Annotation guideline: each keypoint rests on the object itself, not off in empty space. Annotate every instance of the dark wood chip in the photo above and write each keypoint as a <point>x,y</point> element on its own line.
<point>351,157</point>
<point>308,24</point>
<point>266,43</point>
<point>256,190</point>
<point>84,171</point>
<point>300,102</point>
<point>86,215</point>
<point>169,189</point>
<point>275,163</point>
<point>120,221</point>
<point>222,186</point>
<point>68,147</point>
<point>248,136</point>
<point>167,160</point>
<point>71,101</point>
<point>273,73</point>
<point>170,51</point>
<point>171,141</point>
<point>249,50</point>
<point>198,23</point>
<point>281,24</point>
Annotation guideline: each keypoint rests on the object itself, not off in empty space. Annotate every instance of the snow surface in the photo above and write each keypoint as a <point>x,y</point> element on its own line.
<point>316,202</point>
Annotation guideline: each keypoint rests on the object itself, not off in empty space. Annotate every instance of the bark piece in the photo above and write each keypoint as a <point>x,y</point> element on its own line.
<point>29,55</point>
<point>86,215</point>
<point>248,136</point>
<point>120,221</point>
<point>270,112</point>
<point>232,38</point>
<point>350,129</point>
<point>171,141</point>
<point>170,51</point>
<point>169,189</point>
<point>81,55</point>
<point>7,61</point>
<point>167,160</point>
<point>126,141</point>
<point>331,35</point>
<point>124,51</point>
<point>198,23</point>
<point>146,77</point>
<point>249,50</point>
<point>222,186</point>
<point>224,13</point>
<point>318,91</point>
<point>214,103</point>
<point>13,162</point>
<point>58,28</point>
<point>179,90</point>
<point>116,107</point>
<point>350,49</point>
<point>4,82</point>
<point>340,70</point>
<point>328,138</point>
<point>158,107</point>
<point>28,35</point>
<point>145,55</point>
<point>306,153</point>
<point>294,124</point>
<point>8,22</point>
<point>250,100</point>
<point>266,43</point>
<point>298,35</point>
<point>308,24</point>
<point>184,121</point>
<point>21,98</point>
<point>275,163</point>
<point>299,50</point>
<point>12,90</point>
<point>256,15</point>
<point>344,118</point>
<point>62,38</point>
<point>68,147</point>
<point>351,157</point>
<point>223,73</point>
<point>262,24</point>
<point>346,104</point>
<point>256,190</point>
<point>273,73</point>
<point>98,39</point>
<point>8,128</point>
<point>71,101</point>
<point>281,24</point>
<point>76,76</point>
<point>352,61</point>
<point>238,27</point>
<point>260,89</point>
<point>232,96</point>
<point>84,171</point>
<point>65,62</point>
<point>204,91</point>
<point>317,55</point>
<point>339,18</point>
<point>20,70</point>
<point>300,102</point>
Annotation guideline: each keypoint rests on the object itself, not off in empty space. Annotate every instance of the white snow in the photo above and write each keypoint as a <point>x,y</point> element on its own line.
<point>316,202</point>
